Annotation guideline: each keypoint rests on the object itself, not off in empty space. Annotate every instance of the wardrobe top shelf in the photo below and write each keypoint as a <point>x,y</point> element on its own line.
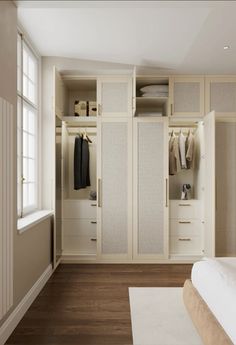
<point>83,120</point>
<point>151,101</point>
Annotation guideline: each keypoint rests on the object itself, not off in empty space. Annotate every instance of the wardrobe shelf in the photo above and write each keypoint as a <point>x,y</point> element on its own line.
<point>80,120</point>
<point>151,101</point>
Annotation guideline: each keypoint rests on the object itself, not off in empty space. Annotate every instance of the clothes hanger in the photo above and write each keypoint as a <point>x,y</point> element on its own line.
<point>87,138</point>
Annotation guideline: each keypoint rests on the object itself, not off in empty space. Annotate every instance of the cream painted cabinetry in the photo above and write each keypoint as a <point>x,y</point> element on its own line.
<point>130,220</point>
<point>186,228</point>
<point>221,95</point>
<point>80,223</point>
<point>114,96</point>
<point>186,96</point>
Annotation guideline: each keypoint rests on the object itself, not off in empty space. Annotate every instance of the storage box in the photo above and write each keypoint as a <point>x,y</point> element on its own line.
<point>80,108</point>
<point>92,108</point>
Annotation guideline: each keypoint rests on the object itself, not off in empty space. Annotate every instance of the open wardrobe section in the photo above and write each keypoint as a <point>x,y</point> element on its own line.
<point>187,188</point>
<point>79,189</point>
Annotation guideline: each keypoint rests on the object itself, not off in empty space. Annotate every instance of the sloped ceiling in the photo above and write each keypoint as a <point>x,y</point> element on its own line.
<point>177,36</point>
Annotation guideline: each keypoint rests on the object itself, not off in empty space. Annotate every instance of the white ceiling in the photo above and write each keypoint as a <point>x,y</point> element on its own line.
<point>181,36</point>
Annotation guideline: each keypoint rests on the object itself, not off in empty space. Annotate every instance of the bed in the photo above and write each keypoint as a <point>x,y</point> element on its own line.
<point>210,298</point>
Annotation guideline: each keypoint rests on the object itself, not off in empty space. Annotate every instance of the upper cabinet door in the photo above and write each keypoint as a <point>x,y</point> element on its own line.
<point>187,96</point>
<point>114,96</point>
<point>221,95</point>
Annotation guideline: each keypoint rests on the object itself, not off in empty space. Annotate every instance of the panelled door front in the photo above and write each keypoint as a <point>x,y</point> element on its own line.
<point>114,96</point>
<point>150,189</point>
<point>114,189</point>
<point>210,183</point>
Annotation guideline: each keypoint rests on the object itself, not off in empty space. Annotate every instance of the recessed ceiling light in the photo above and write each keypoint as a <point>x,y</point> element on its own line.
<point>226,47</point>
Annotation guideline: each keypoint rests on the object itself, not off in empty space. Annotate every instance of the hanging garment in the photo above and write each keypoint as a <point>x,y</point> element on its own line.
<point>190,150</point>
<point>78,162</point>
<point>81,163</point>
<point>182,150</point>
<point>174,159</point>
<point>85,164</point>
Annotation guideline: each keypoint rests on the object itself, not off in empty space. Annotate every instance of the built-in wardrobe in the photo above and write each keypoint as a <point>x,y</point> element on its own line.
<point>132,210</point>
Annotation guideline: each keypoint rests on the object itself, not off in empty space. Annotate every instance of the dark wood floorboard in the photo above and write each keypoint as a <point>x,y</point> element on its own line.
<point>89,304</point>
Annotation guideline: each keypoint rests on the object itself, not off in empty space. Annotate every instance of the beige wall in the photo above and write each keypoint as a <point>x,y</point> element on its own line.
<point>32,256</point>
<point>32,249</point>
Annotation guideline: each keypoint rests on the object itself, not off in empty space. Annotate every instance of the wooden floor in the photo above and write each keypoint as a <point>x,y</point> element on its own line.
<point>89,304</point>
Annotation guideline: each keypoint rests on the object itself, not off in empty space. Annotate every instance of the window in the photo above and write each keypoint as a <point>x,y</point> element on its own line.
<point>27,128</point>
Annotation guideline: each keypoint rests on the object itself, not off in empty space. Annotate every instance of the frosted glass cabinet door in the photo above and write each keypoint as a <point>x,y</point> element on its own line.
<point>221,95</point>
<point>114,187</point>
<point>114,97</point>
<point>150,188</point>
<point>187,96</point>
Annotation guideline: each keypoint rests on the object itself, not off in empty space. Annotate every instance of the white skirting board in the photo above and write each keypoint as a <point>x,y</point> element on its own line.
<point>15,317</point>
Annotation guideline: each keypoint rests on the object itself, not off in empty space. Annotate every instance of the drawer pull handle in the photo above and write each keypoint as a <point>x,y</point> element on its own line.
<point>167,198</point>
<point>93,239</point>
<point>99,192</point>
<point>185,239</point>
<point>93,222</point>
<point>93,205</point>
<point>181,222</point>
<point>184,204</point>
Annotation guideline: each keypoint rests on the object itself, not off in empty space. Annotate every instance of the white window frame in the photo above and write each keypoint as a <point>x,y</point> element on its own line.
<point>24,211</point>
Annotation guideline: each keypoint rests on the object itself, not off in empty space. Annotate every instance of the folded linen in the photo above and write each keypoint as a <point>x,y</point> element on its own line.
<point>155,88</point>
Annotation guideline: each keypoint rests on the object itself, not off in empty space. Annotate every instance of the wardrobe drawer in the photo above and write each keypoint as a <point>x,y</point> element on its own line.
<point>80,244</point>
<point>186,245</point>
<point>185,227</point>
<point>185,209</point>
<point>80,209</point>
<point>80,227</point>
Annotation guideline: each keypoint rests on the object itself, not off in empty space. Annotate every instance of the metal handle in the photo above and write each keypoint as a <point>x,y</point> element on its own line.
<point>182,222</point>
<point>185,239</point>
<point>93,205</point>
<point>216,196</point>
<point>99,109</point>
<point>93,222</point>
<point>184,204</point>
<point>171,109</point>
<point>166,192</point>
<point>99,192</point>
<point>93,239</point>
<point>134,102</point>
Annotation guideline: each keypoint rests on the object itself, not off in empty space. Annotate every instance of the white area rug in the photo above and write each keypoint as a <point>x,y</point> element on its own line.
<point>159,317</point>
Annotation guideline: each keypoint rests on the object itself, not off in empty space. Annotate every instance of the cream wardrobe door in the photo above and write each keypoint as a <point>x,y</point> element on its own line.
<point>187,96</point>
<point>150,197</point>
<point>114,189</point>
<point>114,96</point>
<point>210,184</point>
<point>221,96</point>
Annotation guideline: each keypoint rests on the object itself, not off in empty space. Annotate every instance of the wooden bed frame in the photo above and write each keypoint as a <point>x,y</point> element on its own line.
<point>211,332</point>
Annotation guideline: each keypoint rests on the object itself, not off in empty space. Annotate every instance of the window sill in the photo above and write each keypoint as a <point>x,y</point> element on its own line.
<point>31,220</point>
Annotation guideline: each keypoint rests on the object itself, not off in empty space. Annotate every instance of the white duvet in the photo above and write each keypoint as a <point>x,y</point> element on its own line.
<point>215,280</point>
